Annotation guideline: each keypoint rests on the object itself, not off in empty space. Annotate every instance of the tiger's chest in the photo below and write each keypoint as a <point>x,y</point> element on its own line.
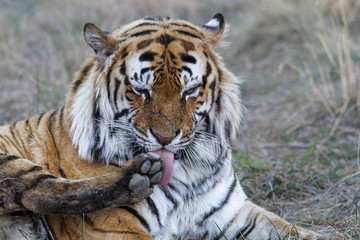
<point>184,210</point>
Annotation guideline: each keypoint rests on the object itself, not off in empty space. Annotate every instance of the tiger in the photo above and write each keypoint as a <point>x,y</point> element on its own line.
<point>141,148</point>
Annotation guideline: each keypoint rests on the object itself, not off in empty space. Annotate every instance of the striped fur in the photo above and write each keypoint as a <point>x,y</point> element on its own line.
<point>153,84</point>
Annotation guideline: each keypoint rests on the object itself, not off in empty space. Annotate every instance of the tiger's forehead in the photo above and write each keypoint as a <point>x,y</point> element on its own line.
<point>159,25</point>
<point>163,51</point>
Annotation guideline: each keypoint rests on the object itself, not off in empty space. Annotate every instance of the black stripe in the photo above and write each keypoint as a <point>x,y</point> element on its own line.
<point>129,99</point>
<point>108,79</point>
<point>126,81</point>
<point>230,223</point>
<point>142,33</point>
<point>149,19</point>
<point>204,115</point>
<point>187,34</point>
<point>188,58</point>
<point>138,216</point>
<point>208,71</point>
<point>144,70</point>
<point>41,218</point>
<point>123,68</point>
<point>165,40</point>
<point>5,157</point>
<point>169,196</point>
<point>84,72</point>
<point>206,55</point>
<point>185,68</point>
<point>218,101</point>
<point>40,117</point>
<point>172,56</point>
<point>53,113</point>
<point>147,56</point>
<point>135,77</point>
<point>246,230</point>
<point>62,173</point>
<point>183,25</point>
<point>154,209</point>
<point>77,83</point>
<point>24,172</point>
<point>129,91</point>
<point>14,137</point>
<point>158,18</point>
<point>144,44</point>
<point>51,120</point>
<point>61,116</point>
<point>251,228</point>
<point>96,149</point>
<point>145,24</point>
<point>240,233</point>
<point>123,112</point>
<point>117,85</point>
<point>124,52</point>
<point>228,127</point>
<point>188,46</point>
<point>226,199</point>
<point>20,195</point>
<point>141,25</point>
<point>212,87</point>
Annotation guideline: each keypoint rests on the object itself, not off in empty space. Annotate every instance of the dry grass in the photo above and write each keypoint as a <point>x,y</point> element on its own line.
<point>297,152</point>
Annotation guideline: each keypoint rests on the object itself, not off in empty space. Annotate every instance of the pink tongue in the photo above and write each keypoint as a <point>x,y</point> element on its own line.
<point>167,165</point>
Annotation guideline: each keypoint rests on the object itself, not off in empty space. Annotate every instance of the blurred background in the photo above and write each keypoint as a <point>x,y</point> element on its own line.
<point>297,152</point>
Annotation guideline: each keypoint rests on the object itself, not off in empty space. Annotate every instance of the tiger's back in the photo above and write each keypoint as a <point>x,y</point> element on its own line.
<point>154,86</point>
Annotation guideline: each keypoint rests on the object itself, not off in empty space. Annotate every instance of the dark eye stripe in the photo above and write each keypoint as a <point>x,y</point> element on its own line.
<point>147,56</point>
<point>144,70</point>
<point>185,68</point>
<point>187,58</point>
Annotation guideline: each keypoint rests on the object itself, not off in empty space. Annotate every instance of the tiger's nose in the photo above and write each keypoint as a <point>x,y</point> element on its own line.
<point>162,138</point>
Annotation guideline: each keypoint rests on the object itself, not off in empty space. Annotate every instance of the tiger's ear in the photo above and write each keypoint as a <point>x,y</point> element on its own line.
<point>214,29</point>
<point>102,44</point>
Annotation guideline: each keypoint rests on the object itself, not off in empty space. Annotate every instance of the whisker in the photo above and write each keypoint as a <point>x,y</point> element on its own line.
<point>203,150</point>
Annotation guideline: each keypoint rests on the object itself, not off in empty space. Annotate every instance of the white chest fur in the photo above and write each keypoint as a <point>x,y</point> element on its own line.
<point>194,207</point>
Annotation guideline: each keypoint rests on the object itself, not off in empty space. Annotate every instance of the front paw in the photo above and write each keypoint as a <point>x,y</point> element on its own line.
<point>147,172</point>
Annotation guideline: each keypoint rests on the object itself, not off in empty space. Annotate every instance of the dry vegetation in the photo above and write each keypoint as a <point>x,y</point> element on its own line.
<point>298,151</point>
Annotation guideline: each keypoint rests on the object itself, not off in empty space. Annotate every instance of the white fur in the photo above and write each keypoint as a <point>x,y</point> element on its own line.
<point>82,127</point>
<point>213,23</point>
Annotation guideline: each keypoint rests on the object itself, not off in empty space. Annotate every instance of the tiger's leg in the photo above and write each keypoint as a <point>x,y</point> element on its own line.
<point>111,224</point>
<point>26,186</point>
<point>254,222</point>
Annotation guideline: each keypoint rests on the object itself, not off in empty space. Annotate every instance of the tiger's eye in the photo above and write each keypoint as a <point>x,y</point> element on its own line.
<point>190,91</point>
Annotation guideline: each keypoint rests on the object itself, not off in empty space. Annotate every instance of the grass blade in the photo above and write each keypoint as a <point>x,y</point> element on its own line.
<point>305,158</point>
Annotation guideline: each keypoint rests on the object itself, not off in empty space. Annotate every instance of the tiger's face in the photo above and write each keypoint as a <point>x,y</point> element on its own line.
<point>167,88</point>
<point>156,85</point>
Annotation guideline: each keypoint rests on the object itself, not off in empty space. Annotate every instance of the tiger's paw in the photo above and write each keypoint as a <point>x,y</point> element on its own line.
<point>148,173</point>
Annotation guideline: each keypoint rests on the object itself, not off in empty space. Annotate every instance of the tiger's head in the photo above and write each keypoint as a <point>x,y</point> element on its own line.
<point>154,85</point>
